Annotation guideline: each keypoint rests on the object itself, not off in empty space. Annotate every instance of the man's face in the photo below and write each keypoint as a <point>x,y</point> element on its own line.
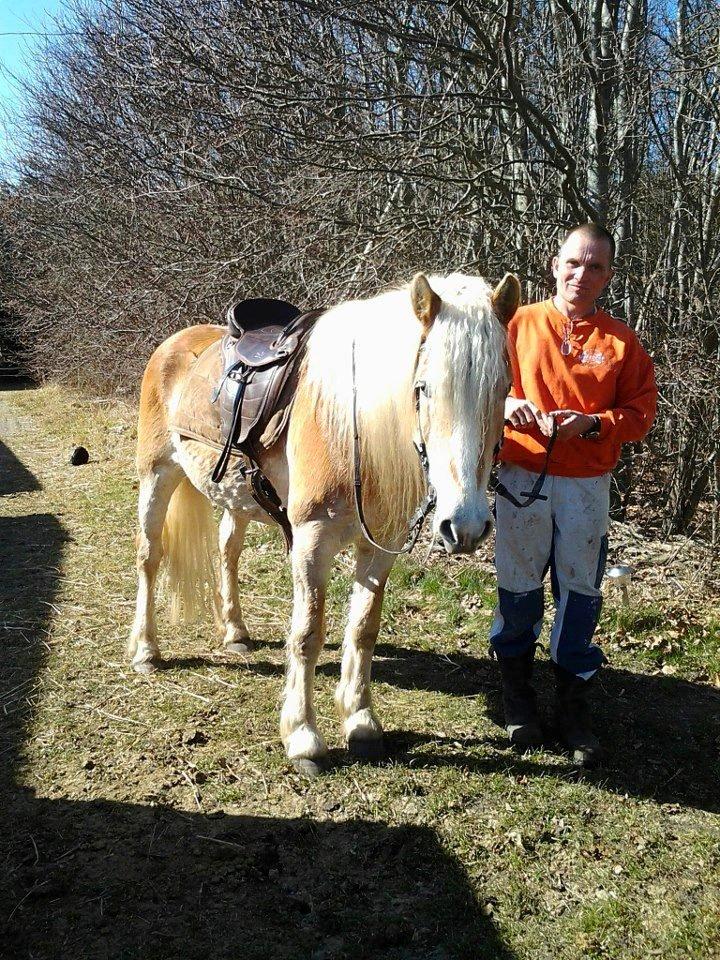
<point>582,271</point>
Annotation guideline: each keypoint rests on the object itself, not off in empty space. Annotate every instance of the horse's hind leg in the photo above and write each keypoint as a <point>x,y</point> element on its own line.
<point>156,489</point>
<point>233,525</point>
<point>353,697</point>
<point>314,546</point>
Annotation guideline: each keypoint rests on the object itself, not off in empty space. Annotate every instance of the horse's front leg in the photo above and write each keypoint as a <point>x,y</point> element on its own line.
<point>233,525</point>
<point>312,555</point>
<point>353,697</point>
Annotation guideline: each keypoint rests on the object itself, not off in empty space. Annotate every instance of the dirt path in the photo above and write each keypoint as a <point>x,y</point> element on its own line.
<point>157,818</point>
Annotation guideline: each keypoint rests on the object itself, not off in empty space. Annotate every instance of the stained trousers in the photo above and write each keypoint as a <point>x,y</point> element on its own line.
<point>567,534</point>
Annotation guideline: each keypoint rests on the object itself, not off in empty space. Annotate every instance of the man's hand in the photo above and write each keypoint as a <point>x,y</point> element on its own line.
<point>523,414</point>
<point>571,423</point>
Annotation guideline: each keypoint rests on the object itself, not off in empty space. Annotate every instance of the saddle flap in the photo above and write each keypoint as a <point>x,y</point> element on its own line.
<point>262,347</point>
<point>257,389</point>
<point>263,363</point>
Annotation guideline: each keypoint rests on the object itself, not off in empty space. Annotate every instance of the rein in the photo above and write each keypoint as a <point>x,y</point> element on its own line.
<point>417,520</point>
<point>534,494</point>
<point>415,524</point>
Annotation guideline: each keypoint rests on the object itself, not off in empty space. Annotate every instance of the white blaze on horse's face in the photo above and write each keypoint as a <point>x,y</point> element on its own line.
<point>463,366</point>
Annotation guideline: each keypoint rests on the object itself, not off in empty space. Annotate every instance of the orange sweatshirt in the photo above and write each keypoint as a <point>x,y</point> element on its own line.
<point>607,373</point>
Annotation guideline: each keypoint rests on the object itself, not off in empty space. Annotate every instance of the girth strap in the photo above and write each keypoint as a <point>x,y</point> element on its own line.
<point>266,496</point>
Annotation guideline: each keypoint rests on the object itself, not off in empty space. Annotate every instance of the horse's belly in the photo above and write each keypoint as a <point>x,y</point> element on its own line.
<point>198,461</point>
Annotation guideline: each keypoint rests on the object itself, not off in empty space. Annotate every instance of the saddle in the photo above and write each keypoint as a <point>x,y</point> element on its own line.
<point>261,355</point>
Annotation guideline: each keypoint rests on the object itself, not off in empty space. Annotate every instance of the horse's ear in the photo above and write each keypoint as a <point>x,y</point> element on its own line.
<point>426,303</point>
<point>506,298</point>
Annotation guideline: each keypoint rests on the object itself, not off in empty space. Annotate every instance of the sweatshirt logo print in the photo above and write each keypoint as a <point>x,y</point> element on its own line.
<point>592,358</point>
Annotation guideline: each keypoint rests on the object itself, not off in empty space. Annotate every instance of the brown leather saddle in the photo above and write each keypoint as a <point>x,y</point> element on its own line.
<point>261,354</point>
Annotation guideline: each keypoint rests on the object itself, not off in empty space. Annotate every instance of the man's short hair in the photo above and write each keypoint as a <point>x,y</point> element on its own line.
<point>595,232</point>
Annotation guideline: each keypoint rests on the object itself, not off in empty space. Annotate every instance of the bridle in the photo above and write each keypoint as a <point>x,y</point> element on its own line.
<point>415,524</point>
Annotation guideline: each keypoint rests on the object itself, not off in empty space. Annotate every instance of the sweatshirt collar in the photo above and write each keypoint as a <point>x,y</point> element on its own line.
<point>559,320</point>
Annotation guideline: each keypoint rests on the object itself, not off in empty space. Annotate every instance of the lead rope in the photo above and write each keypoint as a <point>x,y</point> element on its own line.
<point>534,494</point>
<point>428,503</point>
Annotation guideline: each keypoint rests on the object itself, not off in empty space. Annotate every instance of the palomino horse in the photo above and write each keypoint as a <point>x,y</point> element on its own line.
<point>446,334</point>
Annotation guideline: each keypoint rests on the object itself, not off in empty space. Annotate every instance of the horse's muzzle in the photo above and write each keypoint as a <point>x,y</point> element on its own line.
<point>463,538</point>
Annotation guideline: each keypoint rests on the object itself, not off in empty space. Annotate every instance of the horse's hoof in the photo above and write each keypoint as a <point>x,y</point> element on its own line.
<point>146,667</point>
<point>371,751</point>
<point>309,768</point>
<point>239,646</point>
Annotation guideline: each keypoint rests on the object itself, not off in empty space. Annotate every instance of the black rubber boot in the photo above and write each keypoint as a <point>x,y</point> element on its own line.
<point>573,717</point>
<point>519,700</point>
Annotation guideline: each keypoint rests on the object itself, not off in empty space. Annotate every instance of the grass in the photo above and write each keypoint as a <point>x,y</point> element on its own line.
<point>675,640</point>
<point>158,818</point>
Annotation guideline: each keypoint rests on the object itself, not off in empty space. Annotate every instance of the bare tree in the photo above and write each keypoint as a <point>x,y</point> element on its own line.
<point>184,152</point>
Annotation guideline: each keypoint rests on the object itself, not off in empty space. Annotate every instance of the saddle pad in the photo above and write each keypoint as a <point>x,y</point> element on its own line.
<point>195,416</point>
<point>198,418</point>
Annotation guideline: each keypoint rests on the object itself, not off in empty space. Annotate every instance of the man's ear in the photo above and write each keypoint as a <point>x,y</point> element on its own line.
<point>554,265</point>
<point>506,298</point>
<point>425,302</point>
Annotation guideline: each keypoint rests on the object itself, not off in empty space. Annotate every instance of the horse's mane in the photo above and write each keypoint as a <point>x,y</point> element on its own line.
<point>465,360</point>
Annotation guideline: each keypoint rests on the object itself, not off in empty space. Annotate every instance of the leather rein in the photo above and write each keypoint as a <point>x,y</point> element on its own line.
<point>426,506</point>
<point>417,520</point>
<point>530,495</point>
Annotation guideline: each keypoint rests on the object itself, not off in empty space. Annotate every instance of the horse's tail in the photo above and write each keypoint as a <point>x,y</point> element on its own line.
<point>189,540</point>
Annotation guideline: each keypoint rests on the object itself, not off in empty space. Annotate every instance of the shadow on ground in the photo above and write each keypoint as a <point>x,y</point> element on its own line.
<point>115,881</point>
<point>105,880</point>
<point>662,733</point>
<point>14,476</point>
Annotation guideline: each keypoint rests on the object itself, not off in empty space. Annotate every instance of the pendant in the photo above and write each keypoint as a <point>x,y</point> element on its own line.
<point>565,348</point>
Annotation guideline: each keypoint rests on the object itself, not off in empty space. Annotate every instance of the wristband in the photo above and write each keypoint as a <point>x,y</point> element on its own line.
<point>594,431</point>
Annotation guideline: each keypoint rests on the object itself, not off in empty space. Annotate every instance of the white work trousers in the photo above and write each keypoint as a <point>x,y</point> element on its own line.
<point>567,533</point>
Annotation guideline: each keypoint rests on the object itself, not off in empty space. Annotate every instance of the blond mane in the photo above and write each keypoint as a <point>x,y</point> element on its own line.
<point>465,361</point>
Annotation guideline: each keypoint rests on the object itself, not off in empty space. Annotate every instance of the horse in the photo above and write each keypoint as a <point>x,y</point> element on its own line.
<point>427,360</point>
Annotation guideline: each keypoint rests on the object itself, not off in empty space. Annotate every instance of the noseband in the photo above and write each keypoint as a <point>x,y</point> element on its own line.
<point>415,524</point>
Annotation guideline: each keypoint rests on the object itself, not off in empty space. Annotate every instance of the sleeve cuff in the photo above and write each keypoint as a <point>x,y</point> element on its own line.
<point>595,430</point>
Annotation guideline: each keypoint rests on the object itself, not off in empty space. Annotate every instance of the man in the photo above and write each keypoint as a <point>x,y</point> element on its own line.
<point>583,375</point>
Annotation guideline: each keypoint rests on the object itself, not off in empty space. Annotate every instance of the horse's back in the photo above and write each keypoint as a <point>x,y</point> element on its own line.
<point>175,355</point>
<point>163,378</point>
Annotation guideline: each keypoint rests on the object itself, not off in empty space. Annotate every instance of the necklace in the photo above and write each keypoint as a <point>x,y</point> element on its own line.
<point>566,345</point>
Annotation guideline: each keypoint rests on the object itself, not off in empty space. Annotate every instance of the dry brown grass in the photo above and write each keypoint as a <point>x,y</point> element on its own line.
<point>157,817</point>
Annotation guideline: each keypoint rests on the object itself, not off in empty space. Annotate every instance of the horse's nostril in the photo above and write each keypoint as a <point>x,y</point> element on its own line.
<point>463,539</point>
<point>447,532</point>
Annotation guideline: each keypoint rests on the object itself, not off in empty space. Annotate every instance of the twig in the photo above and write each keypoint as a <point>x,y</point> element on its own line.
<point>6,693</point>
<point>224,843</point>
<point>21,902</point>
<point>114,716</point>
<point>224,683</point>
<point>196,792</point>
<point>195,696</point>
<point>262,777</point>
